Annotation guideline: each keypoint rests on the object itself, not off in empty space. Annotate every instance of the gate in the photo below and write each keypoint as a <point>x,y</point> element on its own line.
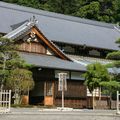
<point>118,102</point>
<point>5,101</point>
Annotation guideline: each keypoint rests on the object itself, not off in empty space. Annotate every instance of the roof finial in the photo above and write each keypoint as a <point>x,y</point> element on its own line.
<point>33,20</point>
<point>117,25</point>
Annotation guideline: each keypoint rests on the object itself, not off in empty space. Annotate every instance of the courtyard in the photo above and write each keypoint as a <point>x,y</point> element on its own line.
<point>54,114</point>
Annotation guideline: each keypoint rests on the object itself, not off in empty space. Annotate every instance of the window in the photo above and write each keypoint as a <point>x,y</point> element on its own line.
<point>60,71</point>
<point>76,75</point>
<point>94,53</point>
<point>69,49</point>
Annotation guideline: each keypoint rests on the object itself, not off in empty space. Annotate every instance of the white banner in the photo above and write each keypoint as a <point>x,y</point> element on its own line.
<point>62,85</point>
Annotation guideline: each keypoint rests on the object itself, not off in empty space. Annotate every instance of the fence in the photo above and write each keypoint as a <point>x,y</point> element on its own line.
<point>5,101</point>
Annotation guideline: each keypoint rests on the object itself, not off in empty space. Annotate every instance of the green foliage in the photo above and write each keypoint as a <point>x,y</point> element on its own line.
<point>101,10</point>
<point>28,3</point>
<point>20,79</point>
<point>118,41</point>
<point>12,68</point>
<point>114,55</point>
<point>111,85</point>
<point>7,53</point>
<point>113,64</point>
<point>62,6</point>
<point>89,11</point>
<point>95,74</point>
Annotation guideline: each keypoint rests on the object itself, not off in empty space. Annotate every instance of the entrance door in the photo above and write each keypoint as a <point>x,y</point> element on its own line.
<point>37,94</point>
<point>49,93</point>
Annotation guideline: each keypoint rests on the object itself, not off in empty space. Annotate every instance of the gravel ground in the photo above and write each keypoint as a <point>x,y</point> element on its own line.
<point>53,114</point>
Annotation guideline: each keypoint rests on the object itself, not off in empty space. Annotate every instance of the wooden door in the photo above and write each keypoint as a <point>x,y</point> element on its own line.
<point>49,93</point>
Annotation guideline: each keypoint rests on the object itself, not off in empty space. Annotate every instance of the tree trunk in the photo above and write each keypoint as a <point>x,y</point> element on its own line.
<point>93,100</point>
<point>110,100</point>
<point>100,94</point>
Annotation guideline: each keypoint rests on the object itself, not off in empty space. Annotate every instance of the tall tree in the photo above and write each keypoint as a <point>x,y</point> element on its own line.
<point>96,73</point>
<point>90,11</point>
<point>14,72</point>
<point>101,10</point>
<point>110,87</point>
<point>8,57</point>
<point>114,84</point>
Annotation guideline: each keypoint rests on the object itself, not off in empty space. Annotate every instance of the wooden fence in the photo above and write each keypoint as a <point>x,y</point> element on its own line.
<point>5,101</point>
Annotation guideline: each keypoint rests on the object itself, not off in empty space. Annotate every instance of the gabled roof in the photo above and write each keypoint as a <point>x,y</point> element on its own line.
<point>31,26</point>
<point>62,28</point>
<point>20,30</point>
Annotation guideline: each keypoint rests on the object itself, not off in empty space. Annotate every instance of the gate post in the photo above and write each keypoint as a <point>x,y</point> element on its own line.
<point>118,103</point>
<point>9,104</point>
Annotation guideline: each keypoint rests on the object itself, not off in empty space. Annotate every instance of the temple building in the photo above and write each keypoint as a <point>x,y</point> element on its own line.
<point>56,43</point>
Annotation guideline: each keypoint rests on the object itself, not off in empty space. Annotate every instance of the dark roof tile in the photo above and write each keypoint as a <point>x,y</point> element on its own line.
<point>61,28</point>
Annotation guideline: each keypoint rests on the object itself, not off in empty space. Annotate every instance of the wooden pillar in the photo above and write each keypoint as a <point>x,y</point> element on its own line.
<point>48,99</point>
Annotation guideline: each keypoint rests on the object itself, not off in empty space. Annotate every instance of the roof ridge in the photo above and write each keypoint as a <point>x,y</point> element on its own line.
<point>117,28</point>
<point>55,15</point>
<point>22,28</point>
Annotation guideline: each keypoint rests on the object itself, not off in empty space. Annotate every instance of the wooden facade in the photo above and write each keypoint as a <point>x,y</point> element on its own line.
<point>46,91</point>
<point>75,96</point>
<point>33,47</point>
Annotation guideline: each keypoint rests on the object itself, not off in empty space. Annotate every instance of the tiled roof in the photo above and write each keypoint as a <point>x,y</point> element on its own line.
<point>88,60</point>
<point>61,28</point>
<point>47,61</point>
<point>20,30</point>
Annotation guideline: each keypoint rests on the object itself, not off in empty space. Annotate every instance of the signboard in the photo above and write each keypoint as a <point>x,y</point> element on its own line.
<point>62,85</point>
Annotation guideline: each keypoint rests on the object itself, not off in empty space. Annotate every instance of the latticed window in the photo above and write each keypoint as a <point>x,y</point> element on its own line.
<point>49,88</point>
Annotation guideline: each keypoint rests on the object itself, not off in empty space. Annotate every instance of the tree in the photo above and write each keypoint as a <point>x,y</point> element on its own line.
<point>7,55</point>
<point>114,85</point>
<point>115,55</point>
<point>62,6</point>
<point>110,86</point>
<point>14,72</point>
<point>101,10</point>
<point>90,11</point>
<point>20,81</point>
<point>96,73</point>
